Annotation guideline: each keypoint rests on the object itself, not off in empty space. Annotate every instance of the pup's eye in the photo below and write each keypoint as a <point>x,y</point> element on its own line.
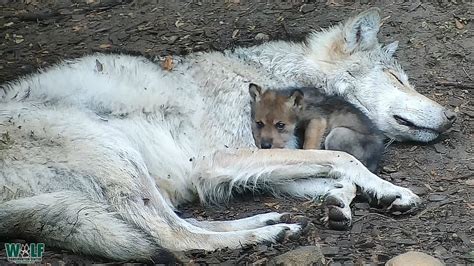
<point>259,124</point>
<point>280,125</point>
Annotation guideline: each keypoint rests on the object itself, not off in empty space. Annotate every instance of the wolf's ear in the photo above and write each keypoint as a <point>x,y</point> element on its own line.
<point>255,92</point>
<point>391,48</point>
<point>360,32</point>
<point>296,99</point>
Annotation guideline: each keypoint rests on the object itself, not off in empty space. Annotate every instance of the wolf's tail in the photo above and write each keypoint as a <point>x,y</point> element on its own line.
<point>68,220</point>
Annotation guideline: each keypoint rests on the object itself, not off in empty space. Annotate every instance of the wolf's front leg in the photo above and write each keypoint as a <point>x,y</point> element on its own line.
<point>225,171</point>
<point>384,193</point>
<point>381,192</point>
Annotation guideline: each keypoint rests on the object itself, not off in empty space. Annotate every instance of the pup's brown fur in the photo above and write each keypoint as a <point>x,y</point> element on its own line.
<point>303,118</point>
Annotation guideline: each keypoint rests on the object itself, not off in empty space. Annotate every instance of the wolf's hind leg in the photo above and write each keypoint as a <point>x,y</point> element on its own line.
<point>251,222</point>
<point>167,229</point>
<point>68,220</point>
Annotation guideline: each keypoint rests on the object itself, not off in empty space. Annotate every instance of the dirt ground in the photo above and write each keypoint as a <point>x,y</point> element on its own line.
<point>436,50</point>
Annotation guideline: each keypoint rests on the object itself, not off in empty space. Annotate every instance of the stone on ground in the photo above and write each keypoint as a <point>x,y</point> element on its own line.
<point>307,255</point>
<point>414,258</point>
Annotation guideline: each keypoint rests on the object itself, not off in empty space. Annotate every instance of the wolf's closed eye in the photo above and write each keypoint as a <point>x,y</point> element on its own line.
<point>394,76</point>
<point>350,74</point>
<point>259,124</point>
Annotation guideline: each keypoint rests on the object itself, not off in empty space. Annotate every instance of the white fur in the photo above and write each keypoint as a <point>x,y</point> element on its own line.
<point>120,146</point>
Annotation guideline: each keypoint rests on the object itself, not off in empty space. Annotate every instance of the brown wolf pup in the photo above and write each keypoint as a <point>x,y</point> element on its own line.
<point>303,117</point>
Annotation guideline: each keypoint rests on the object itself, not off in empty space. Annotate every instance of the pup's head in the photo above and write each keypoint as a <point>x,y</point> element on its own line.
<point>363,71</point>
<point>274,117</point>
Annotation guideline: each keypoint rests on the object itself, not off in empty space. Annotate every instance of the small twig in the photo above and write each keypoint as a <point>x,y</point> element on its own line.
<point>382,21</point>
<point>455,84</point>
<point>239,260</point>
<point>389,143</point>
<point>465,72</point>
<point>373,214</point>
<point>415,7</point>
<point>39,15</point>
<point>435,206</point>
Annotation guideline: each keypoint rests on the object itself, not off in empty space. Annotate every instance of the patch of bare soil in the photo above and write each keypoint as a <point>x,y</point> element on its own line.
<point>436,50</point>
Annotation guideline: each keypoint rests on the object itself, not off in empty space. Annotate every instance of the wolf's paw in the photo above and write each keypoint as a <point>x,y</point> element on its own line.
<point>266,235</point>
<point>295,218</point>
<point>398,199</point>
<point>269,218</point>
<point>272,218</point>
<point>406,201</point>
<point>279,232</point>
<point>338,215</point>
<point>292,230</point>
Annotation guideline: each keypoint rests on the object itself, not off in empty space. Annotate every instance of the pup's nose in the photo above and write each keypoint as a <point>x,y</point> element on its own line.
<point>266,145</point>
<point>450,115</point>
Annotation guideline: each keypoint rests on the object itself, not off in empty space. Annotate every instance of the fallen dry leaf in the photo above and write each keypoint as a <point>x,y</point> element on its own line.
<point>335,2</point>
<point>178,23</point>
<point>168,63</point>
<point>459,24</point>
<point>270,204</point>
<point>428,187</point>
<point>18,38</point>
<point>235,33</point>
<point>105,46</point>
<point>76,28</point>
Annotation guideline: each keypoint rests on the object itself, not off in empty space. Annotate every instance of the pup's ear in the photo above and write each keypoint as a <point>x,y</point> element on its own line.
<point>296,99</point>
<point>255,92</point>
<point>360,32</point>
<point>391,48</point>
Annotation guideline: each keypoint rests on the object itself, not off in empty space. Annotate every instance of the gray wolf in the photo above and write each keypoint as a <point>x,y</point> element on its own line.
<point>97,159</point>
<point>302,117</point>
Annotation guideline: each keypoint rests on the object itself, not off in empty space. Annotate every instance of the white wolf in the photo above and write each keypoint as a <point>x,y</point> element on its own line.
<point>97,152</point>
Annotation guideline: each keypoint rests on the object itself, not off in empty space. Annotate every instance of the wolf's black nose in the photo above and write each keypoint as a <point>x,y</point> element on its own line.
<point>266,145</point>
<point>450,115</point>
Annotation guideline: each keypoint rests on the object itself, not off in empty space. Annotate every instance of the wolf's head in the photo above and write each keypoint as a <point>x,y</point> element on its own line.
<point>274,117</point>
<point>367,75</point>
